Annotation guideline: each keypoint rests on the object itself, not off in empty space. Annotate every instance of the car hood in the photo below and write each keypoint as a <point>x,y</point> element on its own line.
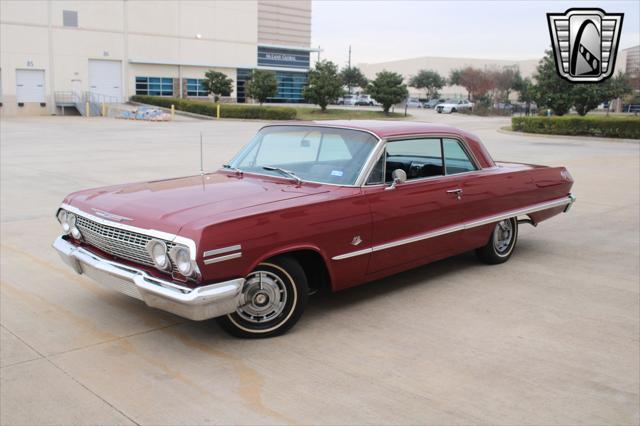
<point>168,205</point>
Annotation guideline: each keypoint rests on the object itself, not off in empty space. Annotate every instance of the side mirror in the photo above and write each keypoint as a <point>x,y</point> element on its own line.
<point>399,176</point>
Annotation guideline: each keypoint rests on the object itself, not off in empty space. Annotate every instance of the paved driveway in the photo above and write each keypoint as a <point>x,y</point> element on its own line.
<point>551,337</point>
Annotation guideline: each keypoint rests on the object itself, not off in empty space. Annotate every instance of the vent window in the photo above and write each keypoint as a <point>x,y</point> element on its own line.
<point>70,18</point>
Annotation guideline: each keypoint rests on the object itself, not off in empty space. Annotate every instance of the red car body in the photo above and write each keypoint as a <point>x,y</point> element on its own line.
<point>361,233</point>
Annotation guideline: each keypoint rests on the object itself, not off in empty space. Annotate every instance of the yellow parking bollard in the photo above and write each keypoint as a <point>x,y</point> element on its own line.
<point>173,112</point>
<point>218,112</point>
<point>86,106</point>
<point>104,109</point>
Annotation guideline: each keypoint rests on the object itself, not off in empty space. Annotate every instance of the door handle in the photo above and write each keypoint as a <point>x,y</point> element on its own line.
<point>457,191</point>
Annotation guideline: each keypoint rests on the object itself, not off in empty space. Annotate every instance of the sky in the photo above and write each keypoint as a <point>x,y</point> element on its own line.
<point>380,31</point>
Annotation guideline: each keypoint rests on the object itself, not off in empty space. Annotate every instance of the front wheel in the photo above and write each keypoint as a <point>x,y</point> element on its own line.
<point>274,297</point>
<point>501,244</point>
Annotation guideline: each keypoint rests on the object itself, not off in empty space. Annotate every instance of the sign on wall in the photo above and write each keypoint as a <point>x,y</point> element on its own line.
<point>286,58</point>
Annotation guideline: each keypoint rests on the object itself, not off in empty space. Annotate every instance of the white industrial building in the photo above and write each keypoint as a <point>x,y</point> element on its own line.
<point>53,49</point>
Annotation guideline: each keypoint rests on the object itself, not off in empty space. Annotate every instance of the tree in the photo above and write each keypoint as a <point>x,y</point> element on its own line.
<point>324,85</point>
<point>429,80</point>
<point>524,87</point>
<point>388,89</point>
<point>352,76</point>
<point>218,84</point>
<point>551,91</point>
<point>587,97</point>
<point>261,85</point>
<point>505,81</point>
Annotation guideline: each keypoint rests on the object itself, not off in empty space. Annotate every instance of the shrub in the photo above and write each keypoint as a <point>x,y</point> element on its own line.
<point>226,110</point>
<point>612,127</point>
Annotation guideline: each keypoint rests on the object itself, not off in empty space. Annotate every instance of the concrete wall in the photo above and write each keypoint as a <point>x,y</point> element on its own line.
<point>284,22</point>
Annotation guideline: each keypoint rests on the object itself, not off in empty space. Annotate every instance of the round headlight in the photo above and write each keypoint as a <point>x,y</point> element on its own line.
<point>182,259</point>
<point>158,252</point>
<point>63,218</point>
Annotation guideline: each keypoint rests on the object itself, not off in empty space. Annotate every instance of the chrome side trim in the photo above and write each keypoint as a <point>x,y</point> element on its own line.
<point>222,258</point>
<point>150,232</point>
<point>222,250</point>
<point>568,200</point>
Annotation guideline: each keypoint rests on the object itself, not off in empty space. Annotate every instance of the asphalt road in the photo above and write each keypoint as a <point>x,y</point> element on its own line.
<point>550,337</point>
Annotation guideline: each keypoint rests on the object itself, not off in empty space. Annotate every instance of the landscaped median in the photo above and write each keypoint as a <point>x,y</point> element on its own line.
<point>270,112</point>
<point>226,110</point>
<point>591,125</point>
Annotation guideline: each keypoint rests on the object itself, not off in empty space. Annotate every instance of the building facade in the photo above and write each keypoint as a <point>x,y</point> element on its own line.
<point>119,48</point>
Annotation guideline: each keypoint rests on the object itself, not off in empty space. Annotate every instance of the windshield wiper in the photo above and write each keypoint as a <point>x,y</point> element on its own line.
<point>284,172</point>
<point>234,169</point>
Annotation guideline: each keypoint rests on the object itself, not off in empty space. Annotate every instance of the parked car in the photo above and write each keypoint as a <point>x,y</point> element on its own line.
<point>366,100</point>
<point>413,103</point>
<point>348,100</point>
<point>302,208</point>
<point>453,106</point>
<point>432,103</point>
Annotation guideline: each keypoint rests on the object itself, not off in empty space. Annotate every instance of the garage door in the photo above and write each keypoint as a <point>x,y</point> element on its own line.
<point>104,78</point>
<point>30,85</point>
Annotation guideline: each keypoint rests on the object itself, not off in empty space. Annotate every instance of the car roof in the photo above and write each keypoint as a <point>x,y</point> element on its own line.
<point>389,128</point>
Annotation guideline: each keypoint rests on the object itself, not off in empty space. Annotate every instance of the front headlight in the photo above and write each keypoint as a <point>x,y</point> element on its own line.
<point>181,257</point>
<point>75,232</point>
<point>63,218</point>
<point>158,251</point>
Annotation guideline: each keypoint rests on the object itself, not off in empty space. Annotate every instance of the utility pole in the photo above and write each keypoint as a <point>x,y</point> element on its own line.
<point>349,68</point>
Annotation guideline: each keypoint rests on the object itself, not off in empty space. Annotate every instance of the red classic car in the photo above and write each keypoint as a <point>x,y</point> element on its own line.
<point>301,208</point>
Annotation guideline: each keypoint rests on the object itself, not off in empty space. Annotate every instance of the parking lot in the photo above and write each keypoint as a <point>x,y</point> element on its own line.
<point>550,337</point>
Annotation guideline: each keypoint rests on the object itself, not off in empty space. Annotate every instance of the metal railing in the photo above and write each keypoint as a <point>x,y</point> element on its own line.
<point>87,103</point>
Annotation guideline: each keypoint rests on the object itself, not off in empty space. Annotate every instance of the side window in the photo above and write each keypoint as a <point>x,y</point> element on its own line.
<point>456,159</point>
<point>419,158</point>
<point>377,173</point>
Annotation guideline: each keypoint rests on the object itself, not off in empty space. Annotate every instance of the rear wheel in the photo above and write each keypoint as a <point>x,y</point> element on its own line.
<point>275,295</point>
<point>501,244</point>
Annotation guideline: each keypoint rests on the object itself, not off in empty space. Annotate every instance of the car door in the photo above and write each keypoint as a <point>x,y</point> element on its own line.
<point>404,216</point>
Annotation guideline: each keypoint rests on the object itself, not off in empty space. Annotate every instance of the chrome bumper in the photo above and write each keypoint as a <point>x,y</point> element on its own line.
<point>197,304</point>
<point>572,199</point>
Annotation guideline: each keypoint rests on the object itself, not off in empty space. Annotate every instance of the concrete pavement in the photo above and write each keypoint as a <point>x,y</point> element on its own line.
<point>550,337</point>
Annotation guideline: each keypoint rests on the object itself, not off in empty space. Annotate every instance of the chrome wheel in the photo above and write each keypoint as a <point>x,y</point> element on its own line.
<point>503,237</point>
<point>265,296</point>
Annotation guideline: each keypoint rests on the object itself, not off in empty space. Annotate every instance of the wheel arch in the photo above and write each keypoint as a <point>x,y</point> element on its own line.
<point>313,262</point>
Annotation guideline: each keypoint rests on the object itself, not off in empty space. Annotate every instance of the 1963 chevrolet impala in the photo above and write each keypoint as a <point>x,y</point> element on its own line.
<point>301,208</point>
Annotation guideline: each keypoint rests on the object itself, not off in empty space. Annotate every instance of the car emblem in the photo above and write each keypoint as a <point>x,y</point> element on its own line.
<point>111,216</point>
<point>356,240</point>
<point>585,43</point>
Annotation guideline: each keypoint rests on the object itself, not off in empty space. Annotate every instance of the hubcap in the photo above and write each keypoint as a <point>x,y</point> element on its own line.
<point>502,236</point>
<point>265,296</point>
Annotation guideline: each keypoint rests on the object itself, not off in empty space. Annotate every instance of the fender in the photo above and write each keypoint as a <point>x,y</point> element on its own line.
<point>292,248</point>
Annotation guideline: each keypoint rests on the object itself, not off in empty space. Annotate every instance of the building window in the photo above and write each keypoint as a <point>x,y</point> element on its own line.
<point>242,75</point>
<point>154,86</point>
<point>196,87</point>
<point>70,18</point>
<point>290,86</point>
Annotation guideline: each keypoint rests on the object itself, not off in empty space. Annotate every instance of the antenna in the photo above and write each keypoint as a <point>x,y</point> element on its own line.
<point>201,164</point>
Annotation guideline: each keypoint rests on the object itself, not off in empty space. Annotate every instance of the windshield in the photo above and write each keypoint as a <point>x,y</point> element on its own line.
<point>316,154</point>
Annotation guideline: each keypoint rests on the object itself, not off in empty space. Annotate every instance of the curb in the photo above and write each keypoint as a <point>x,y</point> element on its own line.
<point>570,137</point>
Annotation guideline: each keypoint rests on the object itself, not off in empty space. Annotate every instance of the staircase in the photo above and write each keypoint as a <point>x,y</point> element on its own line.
<point>96,103</point>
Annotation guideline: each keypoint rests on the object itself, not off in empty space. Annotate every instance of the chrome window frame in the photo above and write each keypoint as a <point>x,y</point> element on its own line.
<point>364,171</point>
<point>441,136</point>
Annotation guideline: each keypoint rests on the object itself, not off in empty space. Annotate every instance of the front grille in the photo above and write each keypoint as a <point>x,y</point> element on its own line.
<point>117,242</point>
